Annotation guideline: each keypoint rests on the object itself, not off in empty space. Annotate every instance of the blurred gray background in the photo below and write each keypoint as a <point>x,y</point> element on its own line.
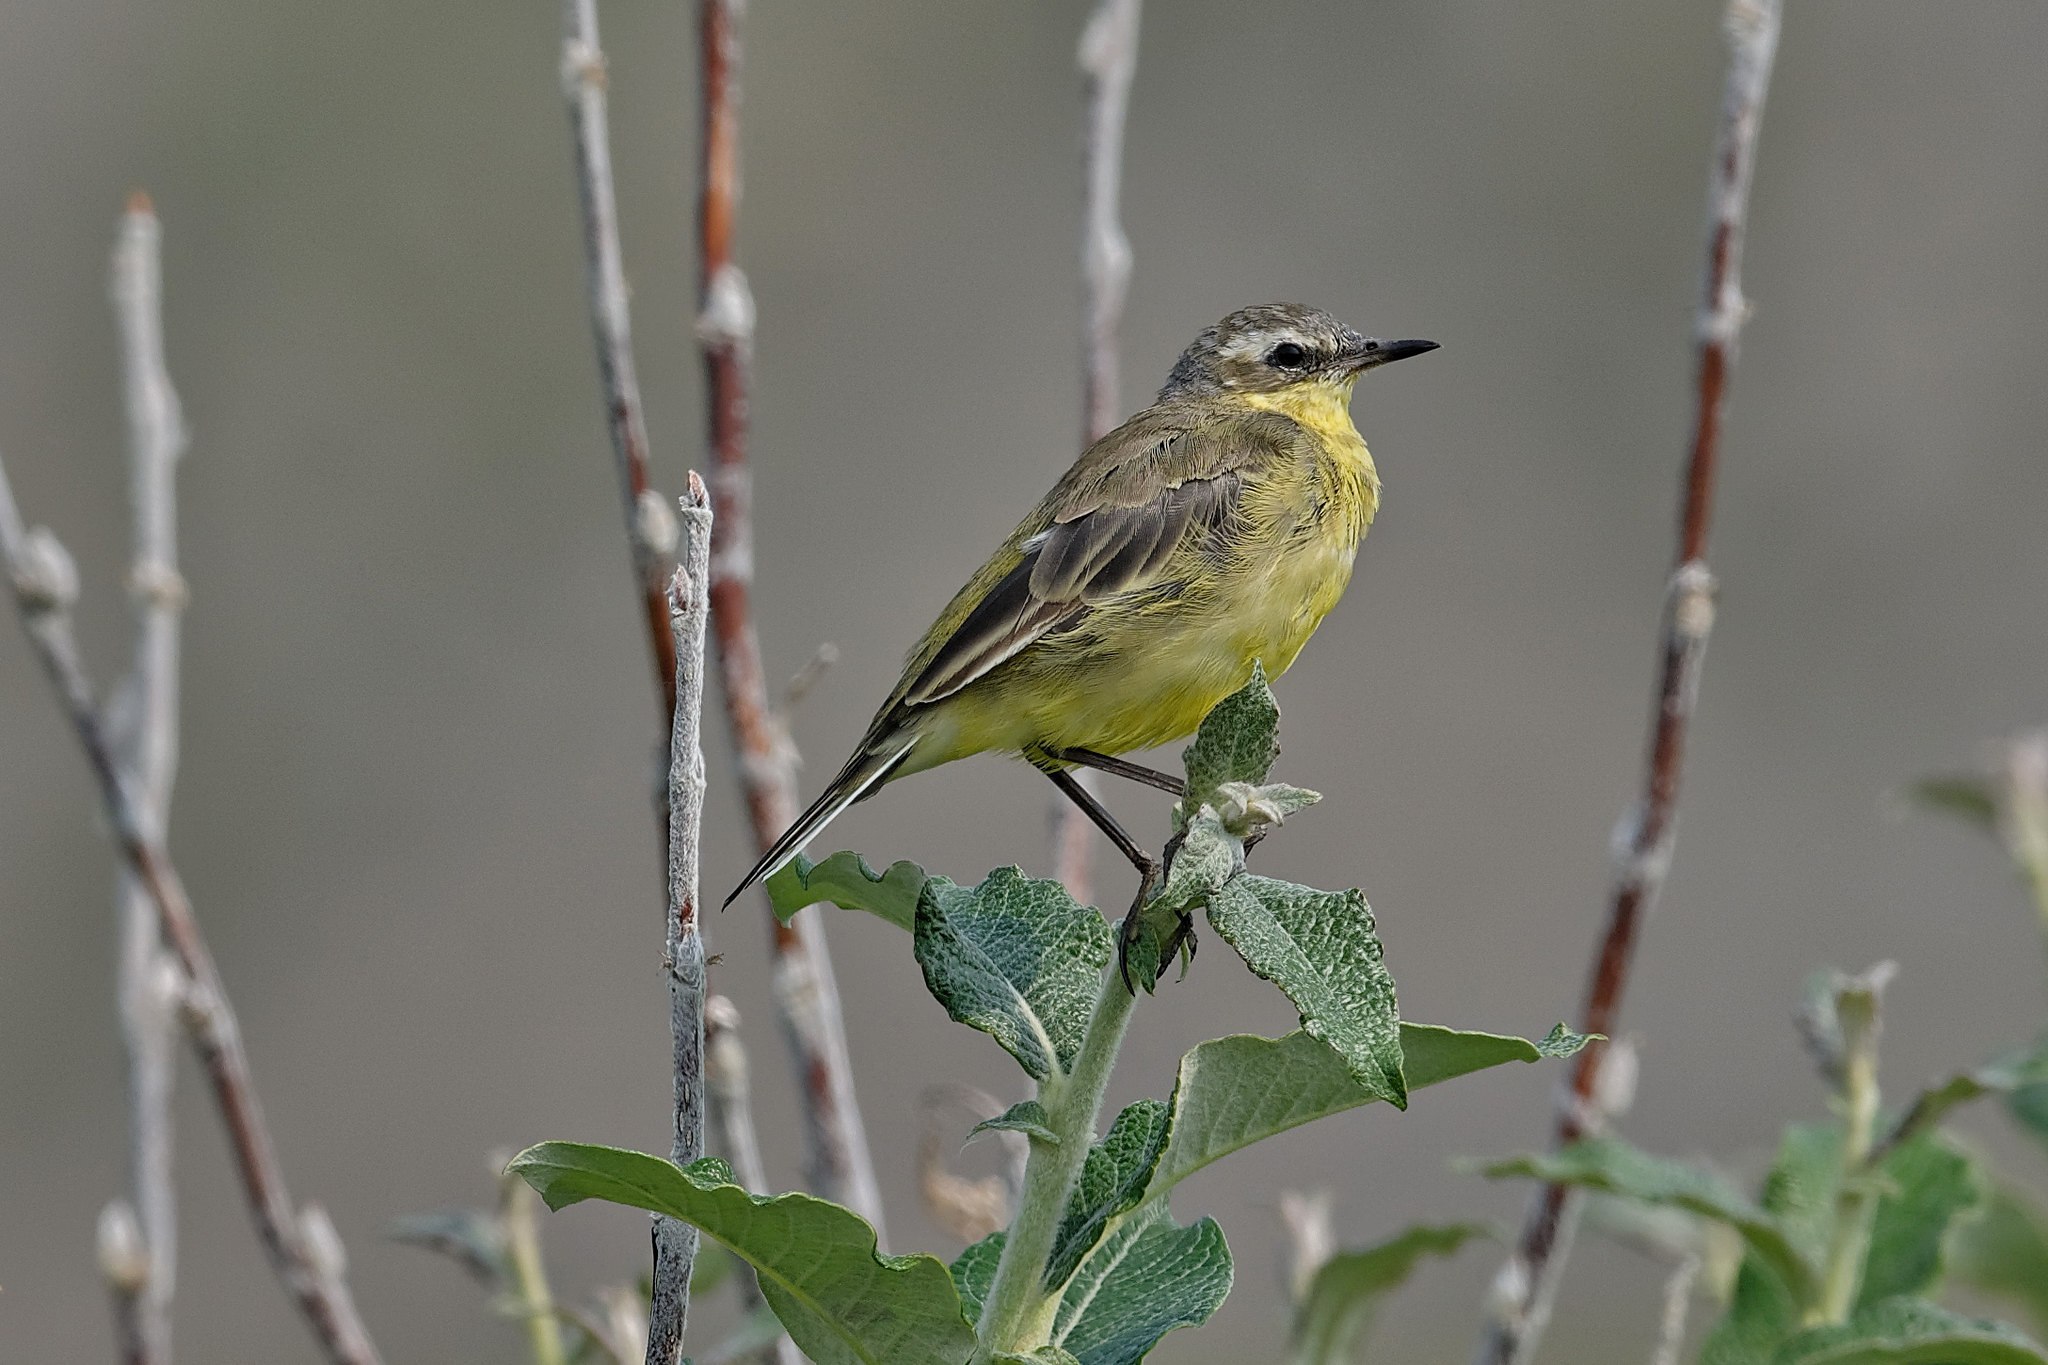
<point>413,806</point>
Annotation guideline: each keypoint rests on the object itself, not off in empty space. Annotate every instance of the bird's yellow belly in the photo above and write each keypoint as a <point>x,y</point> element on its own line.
<point>1166,668</point>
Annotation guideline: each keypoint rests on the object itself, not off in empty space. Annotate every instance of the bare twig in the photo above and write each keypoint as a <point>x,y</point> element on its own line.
<point>675,1242</point>
<point>1677,1307</point>
<point>731,1111</point>
<point>967,1207</point>
<point>143,726</point>
<point>1108,58</point>
<point>124,1265</point>
<point>300,1242</point>
<point>806,994</point>
<point>650,528</point>
<point>1306,1217</point>
<point>1644,839</point>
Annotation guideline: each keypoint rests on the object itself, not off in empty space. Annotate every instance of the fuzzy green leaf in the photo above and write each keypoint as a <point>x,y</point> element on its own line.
<point>1237,1090</point>
<point>2004,1252</point>
<point>1142,1281</point>
<point>1910,1332</point>
<point>841,1302</point>
<point>1145,1278</point>
<point>1113,1179</point>
<point>1928,1184</point>
<point>1347,1289</point>
<point>846,880</point>
<point>1614,1167</point>
<point>1044,1355</point>
<point>974,1271</point>
<point>1237,742</point>
<point>1800,1194</point>
<point>1322,950</point>
<point>1025,1116</point>
<point>1017,958</point>
<point>2020,1070</point>
<point>1970,799</point>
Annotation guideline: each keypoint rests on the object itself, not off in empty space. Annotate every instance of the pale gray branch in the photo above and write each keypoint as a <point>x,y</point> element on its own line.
<point>675,1242</point>
<point>1108,58</point>
<point>143,727</point>
<point>300,1243</point>
<point>730,1105</point>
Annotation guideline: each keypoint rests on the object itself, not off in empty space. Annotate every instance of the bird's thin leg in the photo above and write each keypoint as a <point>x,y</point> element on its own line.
<point>1118,767</point>
<point>1145,863</point>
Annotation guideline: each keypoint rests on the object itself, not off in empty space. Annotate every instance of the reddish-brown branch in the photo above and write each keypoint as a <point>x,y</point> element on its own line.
<point>1643,845</point>
<point>806,994</point>
<point>300,1242</point>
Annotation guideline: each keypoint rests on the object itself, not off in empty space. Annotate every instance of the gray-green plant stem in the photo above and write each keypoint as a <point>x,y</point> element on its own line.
<point>1527,1284</point>
<point>144,729</point>
<point>534,1300</point>
<point>1108,58</point>
<point>1856,1006</point>
<point>2023,815</point>
<point>675,1242</point>
<point>1018,1313</point>
<point>300,1240</point>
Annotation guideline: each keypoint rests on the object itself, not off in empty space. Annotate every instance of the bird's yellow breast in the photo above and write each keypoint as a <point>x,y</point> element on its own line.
<point>1147,674</point>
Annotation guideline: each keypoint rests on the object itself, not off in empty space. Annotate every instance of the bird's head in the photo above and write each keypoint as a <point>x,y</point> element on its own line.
<point>1279,346</point>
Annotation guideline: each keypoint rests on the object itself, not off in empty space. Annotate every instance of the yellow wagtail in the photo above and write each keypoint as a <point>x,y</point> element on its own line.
<point>1214,528</point>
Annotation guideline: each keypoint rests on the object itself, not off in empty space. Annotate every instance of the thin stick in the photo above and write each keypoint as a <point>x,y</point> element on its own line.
<point>675,1242</point>
<point>730,1106</point>
<point>650,528</point>
<point>144,729</point>
<point>301,1244</point>
<point>806,994</point>
<point>1644,839</point>
<point>1108,58</point>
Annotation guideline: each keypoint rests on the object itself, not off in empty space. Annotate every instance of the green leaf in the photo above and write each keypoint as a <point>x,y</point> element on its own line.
<point>1347,1289</point>
<point>1113,1179</point>
<point>1025,1116</point>
<point>1044,1355</point>
<point>2028,1106</point>
<point>1972,800</point>
<point>471,1238</point>
<point>1929,1184</point>
<point>1322,950</point>
<point>974,1270</point>
<point>2004,1252</point>
<point>1237,742</point>
<point>1144,1279</point>
<point>1017,958</point>
<point>2019,1070</point>
<point>1910,1332</point>
<point>1237,1090</point>
<point>846,880</point>
<point>1613,1167</point>
<point>841,1302</point>
<point>1800,1193</point>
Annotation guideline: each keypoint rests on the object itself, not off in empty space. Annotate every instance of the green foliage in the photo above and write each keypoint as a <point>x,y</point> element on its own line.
<point>1018,959</point>
<point>1613,1167</point>
<point>1093,1270</point>
<point>846,880</point>
<point>1234,1091</point>
<point>1237,742</point>
<point>1347,1291</point>
<point>1927,1185</point>
<point>1025,1116</point>
<point>1145,1278</point>
<point>1322,950</point>
<point>2003,1251</point>
<point>1909,1332</point>
<point>1113,1179</point>
<point>841,1302</point>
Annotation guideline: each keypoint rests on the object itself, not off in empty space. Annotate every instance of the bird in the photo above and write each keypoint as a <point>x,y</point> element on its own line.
<point>1213,529</point>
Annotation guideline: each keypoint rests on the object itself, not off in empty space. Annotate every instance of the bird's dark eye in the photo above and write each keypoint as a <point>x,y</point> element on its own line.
<point>1288,356</point>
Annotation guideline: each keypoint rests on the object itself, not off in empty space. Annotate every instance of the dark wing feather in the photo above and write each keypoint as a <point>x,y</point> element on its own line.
<point>1068,568</point>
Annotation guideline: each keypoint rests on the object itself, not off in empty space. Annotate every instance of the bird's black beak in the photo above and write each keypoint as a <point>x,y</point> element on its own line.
<point>1386,352</point>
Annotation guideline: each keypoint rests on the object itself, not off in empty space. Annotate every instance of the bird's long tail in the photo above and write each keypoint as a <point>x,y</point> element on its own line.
<point>865,771</point>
